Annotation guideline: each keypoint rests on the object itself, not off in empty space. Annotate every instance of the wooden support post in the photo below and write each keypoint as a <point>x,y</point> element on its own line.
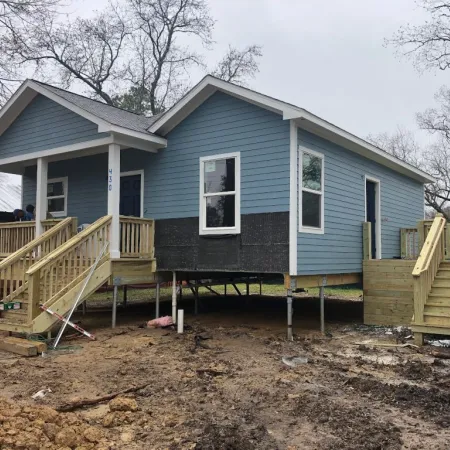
<point>41,194</point>
<point>289,315</point>
<point>225,289</point>
<point>114,198</point>
<point>403,251</point>
<point>114,308</point>
<point>421,233</point>
<point>158,289</point>
<point>83,308</point>
<point>196,297</point>
<point>174,297</point>
<point>367,240</point>
<point>125,296</point>
<point>248,287</point>
<point>34,290</point>
<point>260,286</point>
<point>418,339</point>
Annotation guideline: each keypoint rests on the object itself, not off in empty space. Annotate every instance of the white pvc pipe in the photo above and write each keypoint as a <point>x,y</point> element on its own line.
<point>174,297</point>
<point>180,322</point>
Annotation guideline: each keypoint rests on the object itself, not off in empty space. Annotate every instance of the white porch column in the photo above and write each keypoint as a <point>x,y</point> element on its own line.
<point>114,198</point>
<point>41,194</point>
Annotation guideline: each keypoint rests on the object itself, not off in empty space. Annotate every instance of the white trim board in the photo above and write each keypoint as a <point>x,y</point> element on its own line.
<point>377,211</point>
<point>58,150</point>
<point>293,209</point>
<point>304,119</point>
<point>237,196</point>
<point>141,173</point>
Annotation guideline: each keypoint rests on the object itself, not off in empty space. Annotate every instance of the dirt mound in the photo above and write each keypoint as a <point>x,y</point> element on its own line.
<point>416,370</point>
<point>41,427</point>
<point>430,403</point>
<point>350,426</point>
<point>235,437</point>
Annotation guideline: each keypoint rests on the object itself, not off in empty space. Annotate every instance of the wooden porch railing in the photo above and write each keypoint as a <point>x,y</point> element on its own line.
<point>137,237</point>
<point>14,235</point>
<point>427,265</point>
<point>54,275</point>
<point>13,268</point>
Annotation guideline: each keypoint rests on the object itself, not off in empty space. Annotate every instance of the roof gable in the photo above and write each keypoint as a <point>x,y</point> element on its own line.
<point>45,124</point>
<point>301,117</point>
<point>106,117</point>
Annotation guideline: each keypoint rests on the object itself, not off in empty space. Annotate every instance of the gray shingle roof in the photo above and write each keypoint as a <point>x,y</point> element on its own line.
<point>111,114</point>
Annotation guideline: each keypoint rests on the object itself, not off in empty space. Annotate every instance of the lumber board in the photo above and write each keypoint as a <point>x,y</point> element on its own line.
<point>40,346</point>
<point>18,348</point>
<point>305,281</point>
<point>133,271</point>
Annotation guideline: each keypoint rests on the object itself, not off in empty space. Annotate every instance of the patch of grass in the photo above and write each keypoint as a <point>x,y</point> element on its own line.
<point>277,290</point>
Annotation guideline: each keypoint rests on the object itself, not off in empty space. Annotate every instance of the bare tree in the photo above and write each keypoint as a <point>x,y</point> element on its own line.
<point>87,50</point>
<point>429,43</point>
<point>239,65</point>
<point>159,72</point>
<point>434,160</point>
<point>15,17</point>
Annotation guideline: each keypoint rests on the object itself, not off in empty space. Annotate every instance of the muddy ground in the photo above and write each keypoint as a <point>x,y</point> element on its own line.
<point>223,384</point>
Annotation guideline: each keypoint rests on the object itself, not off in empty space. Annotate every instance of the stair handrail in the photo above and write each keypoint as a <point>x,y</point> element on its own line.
<point>36,242</point>
<point>13,268</point>
<point>69,264</point>
<point>427,265</point>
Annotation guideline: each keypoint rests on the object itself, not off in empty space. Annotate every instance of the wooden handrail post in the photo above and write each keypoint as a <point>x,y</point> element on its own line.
<point>421,232</point>
<point>34,289</point>
<point>367,240</point>
<point>403,252</point>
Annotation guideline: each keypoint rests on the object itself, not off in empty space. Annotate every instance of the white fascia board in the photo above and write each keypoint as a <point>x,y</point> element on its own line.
<point>58,151</point>
<point>108,128</point>
<point>197,95</point>
<point>23,96</point>
<point>63,102</point>
<point>358,145</point>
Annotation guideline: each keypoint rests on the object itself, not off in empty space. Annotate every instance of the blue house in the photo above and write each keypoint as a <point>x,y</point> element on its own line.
<point>235,181</point>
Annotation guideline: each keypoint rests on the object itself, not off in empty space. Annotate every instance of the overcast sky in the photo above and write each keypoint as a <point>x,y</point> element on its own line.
<point>328,57</point>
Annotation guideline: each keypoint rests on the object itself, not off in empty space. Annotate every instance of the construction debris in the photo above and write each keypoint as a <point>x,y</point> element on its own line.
<point>161,322</point>
<point>294,361</point>
<point>93,401</point>
<point>41,394</point>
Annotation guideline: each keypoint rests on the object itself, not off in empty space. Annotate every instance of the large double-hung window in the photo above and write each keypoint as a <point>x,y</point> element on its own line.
<point>311,191</point>
<point>220,187</point>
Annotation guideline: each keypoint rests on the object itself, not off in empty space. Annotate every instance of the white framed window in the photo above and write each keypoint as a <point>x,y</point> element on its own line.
<point>311,191</point>
<point>57,197</point>
<point>220,194</point>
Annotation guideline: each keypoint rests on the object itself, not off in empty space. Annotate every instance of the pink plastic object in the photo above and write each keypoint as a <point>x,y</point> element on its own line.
<point>160,322</point>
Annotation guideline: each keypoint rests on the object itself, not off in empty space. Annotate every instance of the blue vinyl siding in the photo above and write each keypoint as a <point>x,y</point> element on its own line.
<point>339,249</point>
<point>87,185</point>
<point>222,124</point>
<point>44,125</point>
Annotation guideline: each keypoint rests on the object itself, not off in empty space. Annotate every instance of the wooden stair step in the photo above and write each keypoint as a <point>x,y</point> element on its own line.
<point>441,295</point>
<point>433,320</point>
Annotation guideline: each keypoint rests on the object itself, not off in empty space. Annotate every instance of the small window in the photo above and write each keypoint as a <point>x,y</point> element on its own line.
<point>57,197</point>
<point>311,201</point>
<point>220,194</point>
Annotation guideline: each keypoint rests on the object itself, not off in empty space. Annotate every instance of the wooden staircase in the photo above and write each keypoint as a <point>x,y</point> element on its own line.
<point>431,276</point>
<point>51,271</point>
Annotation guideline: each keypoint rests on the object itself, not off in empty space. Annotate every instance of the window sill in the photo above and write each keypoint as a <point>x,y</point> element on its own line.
<point>311,230</point>
<point>218,231</point>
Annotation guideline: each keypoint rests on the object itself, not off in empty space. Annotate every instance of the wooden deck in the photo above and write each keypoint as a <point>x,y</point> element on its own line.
<point>52,269</point>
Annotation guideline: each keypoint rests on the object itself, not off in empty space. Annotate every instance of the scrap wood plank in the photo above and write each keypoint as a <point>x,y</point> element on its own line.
<point>23,349</point>
<point>41,346</point>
